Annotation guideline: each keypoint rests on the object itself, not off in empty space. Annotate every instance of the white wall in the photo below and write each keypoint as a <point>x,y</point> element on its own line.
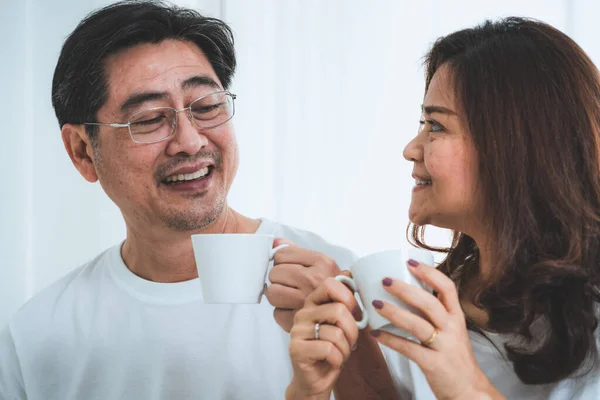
<point>328,94</point>
<point>335,88</point>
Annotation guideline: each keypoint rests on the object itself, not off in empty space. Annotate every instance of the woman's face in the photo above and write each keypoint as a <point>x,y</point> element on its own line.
<point>445,162</point>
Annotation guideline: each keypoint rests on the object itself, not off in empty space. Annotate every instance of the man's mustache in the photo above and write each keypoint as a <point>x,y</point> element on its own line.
<point>214,157</point>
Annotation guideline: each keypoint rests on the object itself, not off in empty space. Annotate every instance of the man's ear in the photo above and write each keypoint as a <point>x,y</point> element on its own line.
<point>79,148</point>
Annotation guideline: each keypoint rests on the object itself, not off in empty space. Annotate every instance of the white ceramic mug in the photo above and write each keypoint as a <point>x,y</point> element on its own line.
<point>367,275</point>
<point>233,267</point>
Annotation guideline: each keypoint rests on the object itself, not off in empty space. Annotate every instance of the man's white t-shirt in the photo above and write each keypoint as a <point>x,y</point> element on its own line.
<point>411,382</point>
<point>103,333</point>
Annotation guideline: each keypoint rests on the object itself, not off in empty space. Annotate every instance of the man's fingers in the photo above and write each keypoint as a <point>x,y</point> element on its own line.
<point>284,318</point>
<point>293,275</point>
<point>332,290</point>
<point>308,258</point>
<point>346,273</point>
<point>280,241</point>
<point>296,255</point>
<point>281,296</point>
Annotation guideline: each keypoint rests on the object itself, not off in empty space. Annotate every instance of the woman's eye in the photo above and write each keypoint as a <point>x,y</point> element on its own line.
<point>435,127</point>
<point>431,124</point>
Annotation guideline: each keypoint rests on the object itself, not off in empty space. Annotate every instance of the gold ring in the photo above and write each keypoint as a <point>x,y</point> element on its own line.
<point>432,338</point>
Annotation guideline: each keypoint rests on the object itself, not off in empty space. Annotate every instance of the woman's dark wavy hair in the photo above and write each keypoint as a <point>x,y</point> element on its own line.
<point>80,83</point>
<point>530,98</point>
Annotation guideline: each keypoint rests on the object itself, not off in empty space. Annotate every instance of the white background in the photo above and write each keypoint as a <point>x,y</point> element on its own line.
<point>328,95</point>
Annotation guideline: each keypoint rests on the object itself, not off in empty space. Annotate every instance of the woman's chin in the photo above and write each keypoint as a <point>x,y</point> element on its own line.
<point>417,217</point>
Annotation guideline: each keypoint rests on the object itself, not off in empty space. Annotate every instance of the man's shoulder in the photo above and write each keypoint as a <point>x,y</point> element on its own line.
<point>312,241</point>
<point>59,293</point>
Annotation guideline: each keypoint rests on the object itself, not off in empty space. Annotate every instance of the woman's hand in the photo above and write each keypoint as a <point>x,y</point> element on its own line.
<point>318,359</point>
<point>444,355</point>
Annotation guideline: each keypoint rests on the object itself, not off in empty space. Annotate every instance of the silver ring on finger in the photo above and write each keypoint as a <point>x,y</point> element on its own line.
<point>317,328</point>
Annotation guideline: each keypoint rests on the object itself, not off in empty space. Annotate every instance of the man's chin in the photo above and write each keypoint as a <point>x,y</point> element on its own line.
<point>192,218</point>
<point>182,224</point>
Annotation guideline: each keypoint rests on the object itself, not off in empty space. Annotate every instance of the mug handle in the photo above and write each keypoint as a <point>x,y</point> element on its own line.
<point>352,285</point>
<point>275,250</point>
<point>271,257</point>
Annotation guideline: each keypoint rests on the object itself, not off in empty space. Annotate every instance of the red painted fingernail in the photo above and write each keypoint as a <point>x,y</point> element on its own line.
<point>375,333</point>
<point>355,311</point>
<point>387,282</point>
<point>378,304</point>
<point>413,263</point>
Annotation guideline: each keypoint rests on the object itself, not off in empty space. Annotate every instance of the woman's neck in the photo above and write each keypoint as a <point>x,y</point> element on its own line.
<point>468,290</point>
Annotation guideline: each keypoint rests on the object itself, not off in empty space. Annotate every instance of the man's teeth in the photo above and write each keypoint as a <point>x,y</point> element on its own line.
<point>188,177</point>
<point>420,182</point>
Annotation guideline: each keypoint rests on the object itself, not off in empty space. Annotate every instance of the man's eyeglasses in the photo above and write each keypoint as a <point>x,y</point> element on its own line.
<point>159,123</point>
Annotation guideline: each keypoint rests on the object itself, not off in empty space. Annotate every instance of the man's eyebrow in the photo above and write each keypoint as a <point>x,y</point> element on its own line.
<point>138,98</point>
<point>200,80</point>
<point>437,109</point>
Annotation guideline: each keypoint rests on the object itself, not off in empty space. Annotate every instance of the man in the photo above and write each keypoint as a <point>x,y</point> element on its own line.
<point>141,94</point>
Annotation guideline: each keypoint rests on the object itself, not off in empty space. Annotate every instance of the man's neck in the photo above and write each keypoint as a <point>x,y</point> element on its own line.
<point>170,257</point>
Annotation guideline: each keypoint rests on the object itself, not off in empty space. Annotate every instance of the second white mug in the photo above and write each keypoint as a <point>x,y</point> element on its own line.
<point>367,275</point>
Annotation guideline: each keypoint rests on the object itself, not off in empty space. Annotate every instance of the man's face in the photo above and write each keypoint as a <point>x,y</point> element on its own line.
<point>180,183</point>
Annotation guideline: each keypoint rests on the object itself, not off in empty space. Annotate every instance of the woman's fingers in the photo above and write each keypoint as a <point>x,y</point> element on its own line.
<point>405,320</point>
<point>443,285</point>
<point>416,352</point>
<point>314,351</point>
<point>420,299</point>
<point>329,316</point>
<point>333,306</point>
<point>327,333</point>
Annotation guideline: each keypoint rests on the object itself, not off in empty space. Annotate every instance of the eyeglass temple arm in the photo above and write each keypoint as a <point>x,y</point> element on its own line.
<point>111,125</point>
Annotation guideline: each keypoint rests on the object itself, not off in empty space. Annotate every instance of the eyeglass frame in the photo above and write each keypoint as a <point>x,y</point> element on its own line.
<point>190,117</point>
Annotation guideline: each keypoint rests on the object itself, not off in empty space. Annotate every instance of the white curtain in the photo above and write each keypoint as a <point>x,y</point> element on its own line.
<point>328,94</point>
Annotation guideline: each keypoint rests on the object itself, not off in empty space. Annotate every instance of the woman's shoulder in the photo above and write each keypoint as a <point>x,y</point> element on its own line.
<point>583,386</point>
<point>489,350</point>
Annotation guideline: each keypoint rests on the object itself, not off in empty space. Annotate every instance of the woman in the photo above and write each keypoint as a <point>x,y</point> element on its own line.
<point>508,158</point>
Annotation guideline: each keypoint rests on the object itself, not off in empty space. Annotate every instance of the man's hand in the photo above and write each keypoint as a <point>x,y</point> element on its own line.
<point>296,273</point>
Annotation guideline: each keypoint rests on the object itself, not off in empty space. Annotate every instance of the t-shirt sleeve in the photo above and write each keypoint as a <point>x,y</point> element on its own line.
<point>11,379</point>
